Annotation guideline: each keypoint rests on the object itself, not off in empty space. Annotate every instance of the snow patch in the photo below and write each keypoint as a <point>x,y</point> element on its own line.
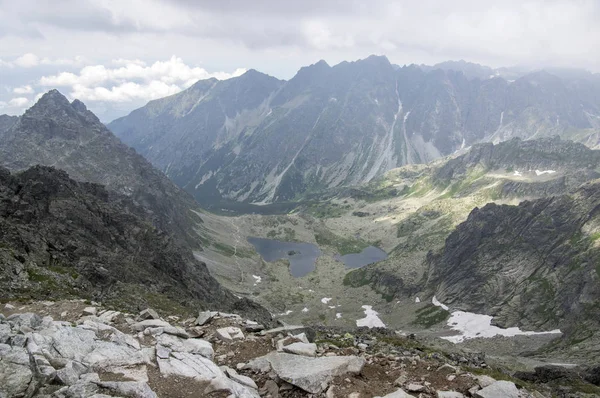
<point>257,279</point>
<point>471,326</point>
<point>371,320</point>
<point>338,315</point>
<point>517,173</point>
<point>332,306</point>
<point>325,300</point>
<point>539,173</point>
<point>417,300</point>
<point>286,313</point>
<point>435,302</point>
<point>304,309</point>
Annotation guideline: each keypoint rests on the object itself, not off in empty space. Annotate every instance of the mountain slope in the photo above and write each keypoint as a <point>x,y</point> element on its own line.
<point>66,135</point>
<point>66,239</point>
<point>257,139</point>
<point>532,265</point>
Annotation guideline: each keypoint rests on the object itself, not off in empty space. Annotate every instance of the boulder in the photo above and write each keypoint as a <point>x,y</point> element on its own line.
<point>499,389</point>
<point>149,313</point>
<point>228,386</point>
<point>414,387</point>
<point>15,373</point>
<point>449,394</point>
<point>189,365</point>
<point>192,346</point>
<point>132,389</point>
<point>313,375</point>
<point>244,380</point>
<point>149,323</point>
<point>397,394</point>
<point>90,311</point>
<point>308,350</point>
<point>204,317</point>
<point>69,375</point>
<point>230,333</point>
<point>485,381</point>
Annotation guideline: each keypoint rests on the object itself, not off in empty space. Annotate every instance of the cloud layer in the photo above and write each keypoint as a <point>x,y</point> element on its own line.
<point>276,37</point>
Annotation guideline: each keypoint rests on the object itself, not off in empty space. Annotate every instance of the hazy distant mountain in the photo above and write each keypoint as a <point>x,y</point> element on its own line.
<point>258,139</point>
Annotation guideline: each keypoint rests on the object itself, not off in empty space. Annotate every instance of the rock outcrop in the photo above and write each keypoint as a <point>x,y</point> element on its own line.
<point>62,238</point>
<point>534,265</point>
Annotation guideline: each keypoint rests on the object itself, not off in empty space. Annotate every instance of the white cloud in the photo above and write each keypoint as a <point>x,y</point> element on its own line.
<point>18,102</point>
<point>75,61</point>
<point>28,60</point>
<point>132,80</point>
<point>23,90</point>
<point>5,64</point>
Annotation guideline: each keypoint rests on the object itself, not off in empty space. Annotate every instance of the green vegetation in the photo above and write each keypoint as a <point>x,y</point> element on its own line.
<point>342,245</point>
<point>326,210</point>
<point>430,315</point>
<point>356,278</point>
<point>64,271</point>
<point>224,249</point>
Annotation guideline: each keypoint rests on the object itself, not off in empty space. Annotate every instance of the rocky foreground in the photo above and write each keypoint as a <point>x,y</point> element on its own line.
<point>74,349</point>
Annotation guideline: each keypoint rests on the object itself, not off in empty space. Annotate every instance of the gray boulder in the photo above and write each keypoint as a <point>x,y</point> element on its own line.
<point>313,375</point>
<point>499,389</point>
<point>204,317</point>
<point>306,349</point>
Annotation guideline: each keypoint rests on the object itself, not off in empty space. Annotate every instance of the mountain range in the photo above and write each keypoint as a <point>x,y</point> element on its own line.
<point>257,139</point>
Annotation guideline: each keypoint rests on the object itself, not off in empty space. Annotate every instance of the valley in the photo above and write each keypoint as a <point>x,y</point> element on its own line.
<point>408,213</point>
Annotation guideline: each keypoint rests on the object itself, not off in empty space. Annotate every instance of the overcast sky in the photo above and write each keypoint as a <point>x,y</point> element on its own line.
<point>116,55</point>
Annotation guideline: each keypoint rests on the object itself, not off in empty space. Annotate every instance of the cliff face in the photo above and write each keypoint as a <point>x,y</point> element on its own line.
<point>62,238</point>
<point>534,265</point>
<point>67,136</point>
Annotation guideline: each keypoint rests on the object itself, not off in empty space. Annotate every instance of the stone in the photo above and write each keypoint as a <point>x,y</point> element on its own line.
<point>397,394</point>
<point>192,346</point>
<point>133,389</point>
<point>450,377</point>
<point>259,365</point>
<point>149,323</point>
<point>15,372</point>
<point>204,317</point>
<point>189,365</point>
<point>32,321</point>
<point>401,380</point>
<point>196,331</point>
<point>176,331</point>
<point>354,395</point>
<point>9,307</point>
<point>230,333</point>
<point>449,394</point>
<point>69,375</point>
<point>149,313</point>
<point>162,352</point>
<point>252,328</point>
<point>485,381</point>
<point>308,350</point>
<point>447,369</point>
<point>330,393</point>
<point>313,375</point>
<point>499,389</point>
<point>229,386</point>
<point>414,387</point>
<point>90,311</point>
<point>243,380</point>
<point>270,388</point>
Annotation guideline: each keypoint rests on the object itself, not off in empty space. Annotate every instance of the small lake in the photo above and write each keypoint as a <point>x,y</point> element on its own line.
<point>302,256</point>
<point>369,255</point>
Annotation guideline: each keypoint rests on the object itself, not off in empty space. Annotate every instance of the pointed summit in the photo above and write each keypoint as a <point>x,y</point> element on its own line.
<point>56,106</point>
